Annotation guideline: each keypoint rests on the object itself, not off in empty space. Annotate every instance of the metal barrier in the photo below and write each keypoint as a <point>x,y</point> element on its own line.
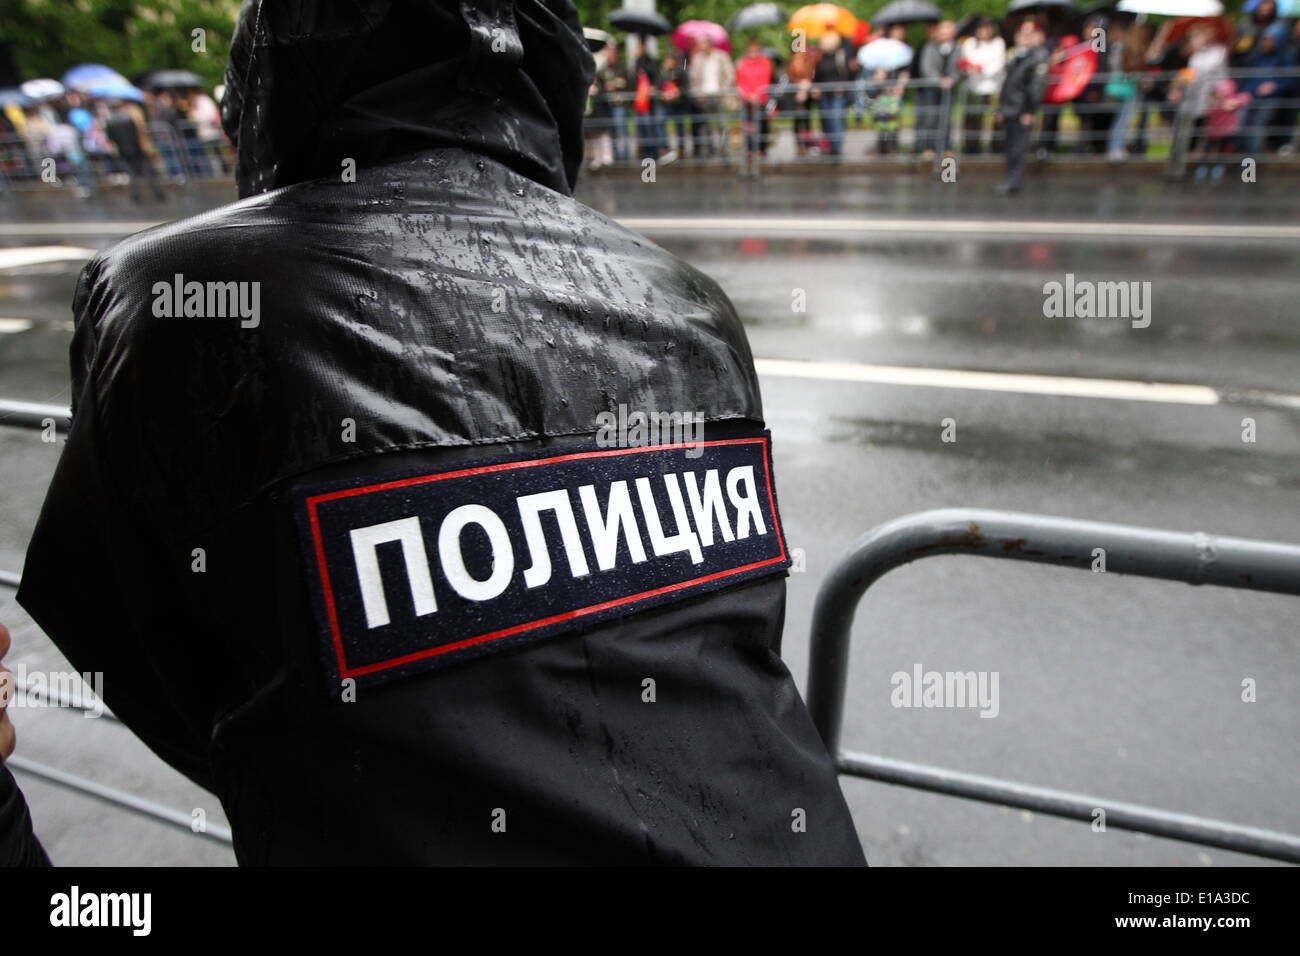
<point>1174,556</point>
<point>34,415</point>
<point>182,156</point>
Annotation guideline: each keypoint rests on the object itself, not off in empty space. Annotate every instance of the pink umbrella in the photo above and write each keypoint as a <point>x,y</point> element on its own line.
<point>684,36</point>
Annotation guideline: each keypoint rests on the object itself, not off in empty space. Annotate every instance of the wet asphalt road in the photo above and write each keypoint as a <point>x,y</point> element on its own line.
<point>1117,687</point>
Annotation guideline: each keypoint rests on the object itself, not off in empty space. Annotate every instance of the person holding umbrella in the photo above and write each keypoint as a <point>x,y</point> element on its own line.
<point>127,131</point>
<point>712,77</point>
<point>614,86</point>
<point>898,32</point>
<point>675,93</point>
<point>647,114</point>
<point>938,63</point>
<point>831,79</point>
<point>1022,91</point>
<point>1271,52</point>
<point>983,60</point>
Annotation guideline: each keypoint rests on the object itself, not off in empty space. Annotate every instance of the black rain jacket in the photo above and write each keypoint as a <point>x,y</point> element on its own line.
<point>463,123</point>
<point>1025,82</point>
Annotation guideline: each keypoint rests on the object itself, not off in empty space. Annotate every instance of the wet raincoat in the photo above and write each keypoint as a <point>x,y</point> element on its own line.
<point>167,554</point>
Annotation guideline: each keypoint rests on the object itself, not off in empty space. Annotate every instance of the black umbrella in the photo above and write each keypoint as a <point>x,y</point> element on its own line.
<point>644,22</point>
<point>756,15</point>
<point>1046,6</point>
<point>1110,10</point>
<point>172,80</point>
<point>906,11</point>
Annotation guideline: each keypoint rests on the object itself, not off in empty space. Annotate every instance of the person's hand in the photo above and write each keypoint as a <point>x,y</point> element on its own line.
<point>7,690</point>
<point>1267,88</point>
<point>1026,119</point>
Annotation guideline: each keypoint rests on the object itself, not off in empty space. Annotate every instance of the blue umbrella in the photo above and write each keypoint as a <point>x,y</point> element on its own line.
<point>86,73</point>
<point>1285,8</point>
<point>112,89</point>
<point>12,96</point>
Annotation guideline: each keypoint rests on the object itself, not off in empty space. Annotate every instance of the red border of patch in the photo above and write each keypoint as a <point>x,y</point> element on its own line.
<point>328,590</point>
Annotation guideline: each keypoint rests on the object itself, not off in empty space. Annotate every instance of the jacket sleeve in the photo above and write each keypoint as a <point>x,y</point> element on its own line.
<point>929,66</point>
<point>1036,83</point>
<point>18,843</point>
<point>84,554</point>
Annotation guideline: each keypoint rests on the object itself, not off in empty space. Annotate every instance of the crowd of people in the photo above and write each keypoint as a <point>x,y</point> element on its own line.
<point>1234,89</point>
<point>168,134</point>
<point>1237,87</point>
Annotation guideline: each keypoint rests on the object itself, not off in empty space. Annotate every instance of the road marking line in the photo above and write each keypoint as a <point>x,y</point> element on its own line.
<point>34,255</point>
<point>992,381</point>
<point>981,227</point>
<point>10,326</point>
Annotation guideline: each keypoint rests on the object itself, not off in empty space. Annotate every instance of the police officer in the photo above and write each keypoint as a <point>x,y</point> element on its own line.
<point>362,513</point>
<point>1022,91</point>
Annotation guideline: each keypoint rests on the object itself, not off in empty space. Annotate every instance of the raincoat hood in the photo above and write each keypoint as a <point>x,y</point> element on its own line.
<point>314,83</point>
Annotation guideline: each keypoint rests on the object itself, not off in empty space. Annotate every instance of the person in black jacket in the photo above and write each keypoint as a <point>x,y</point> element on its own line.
<point>1022,92</point>
<point>365,526</point>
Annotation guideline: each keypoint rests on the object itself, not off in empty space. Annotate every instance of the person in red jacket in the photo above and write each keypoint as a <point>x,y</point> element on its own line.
<point>753,78</point>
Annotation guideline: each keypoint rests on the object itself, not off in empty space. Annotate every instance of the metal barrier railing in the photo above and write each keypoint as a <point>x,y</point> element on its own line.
<point>181,155</point>
<point>120,798</point>
<point>36,415</point>
<point>1174,556</point>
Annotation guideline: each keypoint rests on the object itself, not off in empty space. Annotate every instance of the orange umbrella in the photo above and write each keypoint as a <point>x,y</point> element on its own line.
<point>818,18</point>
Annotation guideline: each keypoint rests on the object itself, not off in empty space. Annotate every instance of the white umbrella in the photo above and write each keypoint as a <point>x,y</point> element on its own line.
<point>43,89</point>
<point>596,39</point>
<point>1172,8</point>
<point>885,54</point>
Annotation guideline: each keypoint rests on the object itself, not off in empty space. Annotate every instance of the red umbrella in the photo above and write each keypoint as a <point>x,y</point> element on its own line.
<point>1221,27</point>
<point>1067,78</point>
<point>684,36</point>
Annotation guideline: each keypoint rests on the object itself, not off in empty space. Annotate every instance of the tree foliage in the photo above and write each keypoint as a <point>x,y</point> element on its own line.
<point>46,37</point>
